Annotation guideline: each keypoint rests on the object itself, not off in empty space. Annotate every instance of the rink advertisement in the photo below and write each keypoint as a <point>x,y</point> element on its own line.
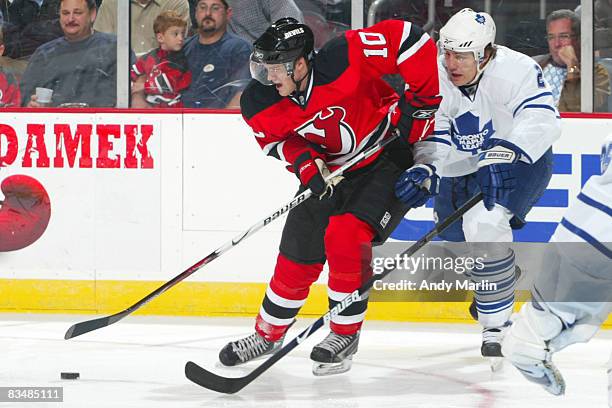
<point>121,201</point>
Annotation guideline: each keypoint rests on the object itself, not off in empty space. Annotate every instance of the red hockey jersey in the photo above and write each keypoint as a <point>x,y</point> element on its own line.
<point>10,96</point>
<point>347,106</point>
<point>167,75</point>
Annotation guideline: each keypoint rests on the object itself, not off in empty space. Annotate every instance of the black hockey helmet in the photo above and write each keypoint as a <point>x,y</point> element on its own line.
<point>284,41</point>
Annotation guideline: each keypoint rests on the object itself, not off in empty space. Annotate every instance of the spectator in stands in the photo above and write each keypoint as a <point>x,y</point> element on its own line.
<point>79,67</point>
<point>603,28</point>
<point>163,72</point>
<point>561,67</point>
<point>142,16</point>
<point>10,65</point>
<point>28,24</point>
<point>218,60</point>
<point>9,88</point>
<point>252,17</point>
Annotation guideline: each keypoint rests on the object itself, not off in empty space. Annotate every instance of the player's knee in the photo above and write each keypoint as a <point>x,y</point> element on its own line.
<point>296,276</point>
<point>481,225</point>
<point>347,235</point>
<point>348,248</point>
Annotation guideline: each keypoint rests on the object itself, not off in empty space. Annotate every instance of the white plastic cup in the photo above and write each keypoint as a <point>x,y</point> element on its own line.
<point>43,95</point>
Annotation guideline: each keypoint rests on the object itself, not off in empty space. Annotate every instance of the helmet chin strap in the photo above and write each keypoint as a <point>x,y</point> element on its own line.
<point>480,70</point>
<point>298,94</point>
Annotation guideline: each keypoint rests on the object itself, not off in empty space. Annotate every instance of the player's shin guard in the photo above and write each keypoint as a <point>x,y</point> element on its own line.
<point>284,297</point>
<point>348,249</point>
<point>348,244</point>
<point>494,300</point>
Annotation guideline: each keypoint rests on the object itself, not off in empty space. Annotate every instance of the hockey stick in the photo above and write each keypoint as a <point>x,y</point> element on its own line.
<point>230,385</point>
<point>94,324</point>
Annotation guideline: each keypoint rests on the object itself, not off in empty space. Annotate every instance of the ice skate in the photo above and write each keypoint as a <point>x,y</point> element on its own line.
<point>247,349</point>
<point>334,355</point>
<point>491,347</point>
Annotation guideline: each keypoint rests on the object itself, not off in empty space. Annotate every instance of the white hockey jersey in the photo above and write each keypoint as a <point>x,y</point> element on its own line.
<point>512,102</point>
<point>589,218</point>
<point>584,274</point>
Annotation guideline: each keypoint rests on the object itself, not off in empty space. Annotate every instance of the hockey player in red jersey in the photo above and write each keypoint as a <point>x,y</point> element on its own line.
<point>316,112</point>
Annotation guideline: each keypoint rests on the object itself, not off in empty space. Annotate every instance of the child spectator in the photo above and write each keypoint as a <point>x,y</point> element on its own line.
<point>163,73</point>
<point>9,88</point>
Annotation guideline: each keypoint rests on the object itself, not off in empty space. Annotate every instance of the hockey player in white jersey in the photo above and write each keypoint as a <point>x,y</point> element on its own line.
<point>493,133</point>
<point>547,325</point>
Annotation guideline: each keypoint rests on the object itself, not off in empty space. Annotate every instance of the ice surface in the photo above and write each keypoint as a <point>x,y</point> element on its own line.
<point>139,363</point>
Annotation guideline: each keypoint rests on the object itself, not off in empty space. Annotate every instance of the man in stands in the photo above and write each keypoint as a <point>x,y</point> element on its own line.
<point>79,67</point>
<point>218,60</point>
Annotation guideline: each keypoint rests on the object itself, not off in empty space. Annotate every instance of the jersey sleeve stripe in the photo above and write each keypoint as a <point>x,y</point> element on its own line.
<point>167,83</point>
<point>587,237</point>
<point>437,140</point>
<point>275,150</point>
<point>538,106</point>
<point>405,34</point>
<point>136,70</point>
<point>529,100</point>
<point>595,204</point>
<point>413,38</point>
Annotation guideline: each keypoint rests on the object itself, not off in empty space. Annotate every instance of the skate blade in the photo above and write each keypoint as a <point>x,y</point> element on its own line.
<point>547,375</point>
<point>323,369</point>
<point>496,363</point>
<point>557,383</point>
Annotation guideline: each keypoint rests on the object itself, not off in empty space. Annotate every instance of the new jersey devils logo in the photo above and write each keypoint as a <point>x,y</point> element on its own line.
<point>329,130</point>
<point>24,213</point>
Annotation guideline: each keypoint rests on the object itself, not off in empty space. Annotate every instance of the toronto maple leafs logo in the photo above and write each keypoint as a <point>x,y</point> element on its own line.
<point>480,19</point>
<point>329,130</point>
<point>467,134</point>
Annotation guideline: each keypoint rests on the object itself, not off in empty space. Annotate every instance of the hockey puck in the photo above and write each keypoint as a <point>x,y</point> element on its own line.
<point>70,376</point>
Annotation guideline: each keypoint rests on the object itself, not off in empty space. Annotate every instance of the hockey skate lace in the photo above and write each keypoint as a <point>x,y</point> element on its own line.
<point>250,347</point>
<point>492,336</point>
<point>335,342</point>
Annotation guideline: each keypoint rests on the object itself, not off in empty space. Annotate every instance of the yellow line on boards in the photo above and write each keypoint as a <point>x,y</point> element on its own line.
<point>196,299</point>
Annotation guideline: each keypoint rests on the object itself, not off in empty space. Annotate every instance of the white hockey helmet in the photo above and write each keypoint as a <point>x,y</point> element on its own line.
<point>468,31</point>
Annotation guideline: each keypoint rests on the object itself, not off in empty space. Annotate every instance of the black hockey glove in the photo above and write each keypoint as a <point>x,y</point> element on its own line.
<point>312,174</point>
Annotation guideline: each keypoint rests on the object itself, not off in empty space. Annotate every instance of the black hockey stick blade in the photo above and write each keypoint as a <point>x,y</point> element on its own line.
<point>213,381</point>
<point>231,385</point>
<point>90,325</point>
